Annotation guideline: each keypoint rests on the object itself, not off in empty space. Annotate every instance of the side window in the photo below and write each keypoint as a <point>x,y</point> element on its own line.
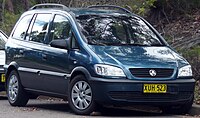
<point>40,28</point>
<point>61,28</point>
<point>74,43</point>
<point>21,28</point>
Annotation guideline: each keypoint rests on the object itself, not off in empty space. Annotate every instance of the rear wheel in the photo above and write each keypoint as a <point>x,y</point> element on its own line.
<point>15,91</point>
<point>81,98</point>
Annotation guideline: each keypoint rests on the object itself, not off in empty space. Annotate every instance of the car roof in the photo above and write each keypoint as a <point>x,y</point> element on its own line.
<point>3,33</point>
<point>95,9</point>
<point>6,37</point>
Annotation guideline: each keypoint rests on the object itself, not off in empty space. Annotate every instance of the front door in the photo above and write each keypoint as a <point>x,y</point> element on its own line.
<point>56,59</point>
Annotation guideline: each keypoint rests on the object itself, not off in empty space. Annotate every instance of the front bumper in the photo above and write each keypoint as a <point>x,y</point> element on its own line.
<point>125,92</point>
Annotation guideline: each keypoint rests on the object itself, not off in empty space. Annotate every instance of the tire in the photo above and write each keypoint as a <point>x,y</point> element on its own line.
<point>80,98</point>
<point>179,110</point>
<point>15,91</point>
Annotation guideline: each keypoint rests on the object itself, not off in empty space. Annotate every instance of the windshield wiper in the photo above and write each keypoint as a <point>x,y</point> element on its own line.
<point>157,45</point>
<point>97,43</point>
<point>120,44</point>
<point>134,44</point>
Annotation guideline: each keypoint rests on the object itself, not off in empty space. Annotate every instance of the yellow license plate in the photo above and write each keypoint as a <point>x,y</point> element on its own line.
<point>3,79</point>
<point>155,88</point>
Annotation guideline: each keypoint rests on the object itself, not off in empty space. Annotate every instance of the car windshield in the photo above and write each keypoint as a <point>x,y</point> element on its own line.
<point>116,30</point>
<point>2,41</point>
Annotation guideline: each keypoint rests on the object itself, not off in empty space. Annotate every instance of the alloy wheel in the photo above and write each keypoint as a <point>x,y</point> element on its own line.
<point>13,88</point>
<point>81,95</point>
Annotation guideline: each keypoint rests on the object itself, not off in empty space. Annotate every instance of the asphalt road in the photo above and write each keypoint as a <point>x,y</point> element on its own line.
<point>56,108</point>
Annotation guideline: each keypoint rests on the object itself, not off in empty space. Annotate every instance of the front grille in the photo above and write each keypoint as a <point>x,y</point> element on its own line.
<point>138,96</point>
<point>144,72</point>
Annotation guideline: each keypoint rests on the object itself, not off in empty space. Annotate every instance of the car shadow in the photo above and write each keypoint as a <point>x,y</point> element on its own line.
<point>106,112</point>
<point>116,112</point>
<point>3,97</point>
<point>54,106</point>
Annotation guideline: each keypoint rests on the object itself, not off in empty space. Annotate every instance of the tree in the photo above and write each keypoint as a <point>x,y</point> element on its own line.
<point>2,11</point>
<point>9,3</point>
<point>26,4</point>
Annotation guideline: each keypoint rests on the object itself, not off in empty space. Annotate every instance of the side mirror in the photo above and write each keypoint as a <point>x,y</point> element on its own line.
<point>61,43</point>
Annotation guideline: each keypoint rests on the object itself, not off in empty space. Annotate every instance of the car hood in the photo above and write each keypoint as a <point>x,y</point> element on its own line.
<point>137,56</point>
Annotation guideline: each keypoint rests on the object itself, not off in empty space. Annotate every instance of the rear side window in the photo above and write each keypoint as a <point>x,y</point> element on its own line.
<point>40,28</point>
<point>21,28</point>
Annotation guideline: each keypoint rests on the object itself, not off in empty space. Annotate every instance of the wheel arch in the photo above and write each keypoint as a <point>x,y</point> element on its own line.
<point>80,71</point>
<point>10,67</point>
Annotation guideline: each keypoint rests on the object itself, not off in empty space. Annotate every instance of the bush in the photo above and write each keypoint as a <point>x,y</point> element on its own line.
<point>193,56</point>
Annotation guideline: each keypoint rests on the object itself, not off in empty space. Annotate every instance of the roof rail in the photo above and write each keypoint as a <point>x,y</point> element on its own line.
<point>110,6</point>
<point>49,5</point>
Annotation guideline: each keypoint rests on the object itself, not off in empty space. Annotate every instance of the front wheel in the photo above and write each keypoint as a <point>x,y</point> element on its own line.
<point>15,91</point>
<point>81,98</point>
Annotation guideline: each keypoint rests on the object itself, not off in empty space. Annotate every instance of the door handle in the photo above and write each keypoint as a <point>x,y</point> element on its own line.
<point>38,72</point>
<point>21,52</point>
<point>44,56</point>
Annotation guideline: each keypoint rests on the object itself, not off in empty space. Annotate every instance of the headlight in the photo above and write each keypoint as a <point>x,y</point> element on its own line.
<point>185,71</point>
<point>107,70</point>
